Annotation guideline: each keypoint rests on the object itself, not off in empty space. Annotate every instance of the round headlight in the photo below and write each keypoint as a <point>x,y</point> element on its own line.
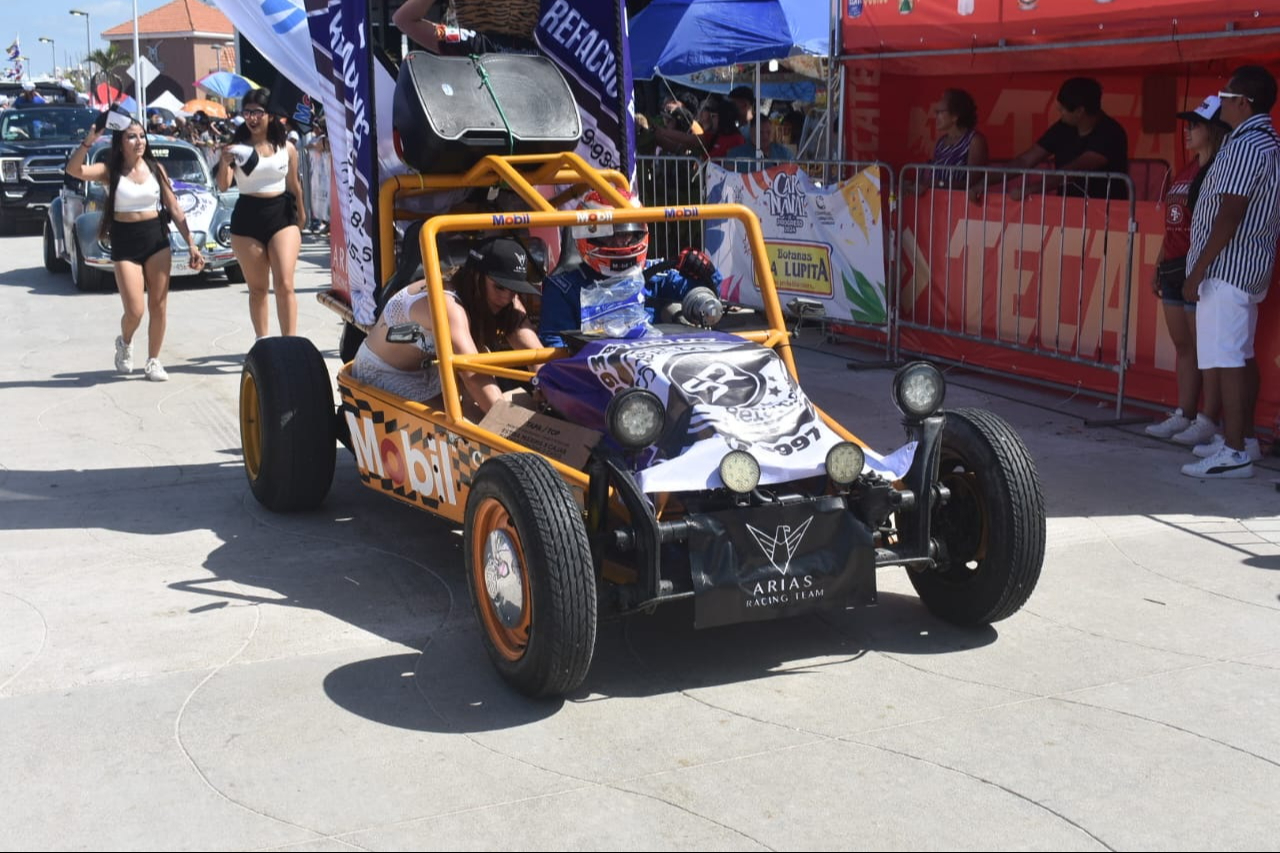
<point>740,471</point>
<point>635,418</point>
<point>845,462</point>
<point>918,389</point>
<point>223,234</point>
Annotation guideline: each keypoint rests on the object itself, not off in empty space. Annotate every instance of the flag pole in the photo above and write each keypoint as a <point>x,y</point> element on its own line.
<point>139,90</point>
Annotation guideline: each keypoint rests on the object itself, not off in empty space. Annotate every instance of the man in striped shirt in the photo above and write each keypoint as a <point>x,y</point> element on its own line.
<point>1234,230</point>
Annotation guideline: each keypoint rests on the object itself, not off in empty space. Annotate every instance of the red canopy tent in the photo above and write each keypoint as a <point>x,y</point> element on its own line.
<point>1154,58</point>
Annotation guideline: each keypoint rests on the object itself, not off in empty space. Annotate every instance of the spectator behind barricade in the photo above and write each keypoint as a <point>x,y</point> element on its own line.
<point>674,114</point>
<point>1084,139</point>
<point>955,119</point>
<point>155,124</point>
<point>791,131</point>
<point>1234,230</point>
<point>1188,424</point>
<point>771,152</point>
<point>744,99</point>
<point>318,152</point>
<point>713,134</point>
<point>480,26</point>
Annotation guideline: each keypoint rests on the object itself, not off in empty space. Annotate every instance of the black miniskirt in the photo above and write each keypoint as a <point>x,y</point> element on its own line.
<point>137,241</point>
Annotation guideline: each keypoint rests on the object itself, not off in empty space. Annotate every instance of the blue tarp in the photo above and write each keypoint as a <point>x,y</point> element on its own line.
<point>672,37</point>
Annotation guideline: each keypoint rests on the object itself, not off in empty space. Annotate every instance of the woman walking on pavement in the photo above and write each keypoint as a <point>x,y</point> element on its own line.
<point>138,190</point>
<point>266,225</point>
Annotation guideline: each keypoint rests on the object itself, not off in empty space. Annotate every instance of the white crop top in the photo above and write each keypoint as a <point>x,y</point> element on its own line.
<point>134,197</point>
<point>268,176</point>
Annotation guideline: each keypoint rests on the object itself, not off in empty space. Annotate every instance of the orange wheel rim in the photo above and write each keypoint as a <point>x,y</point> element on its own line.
<point>250,425</point>
<point>501,580</point>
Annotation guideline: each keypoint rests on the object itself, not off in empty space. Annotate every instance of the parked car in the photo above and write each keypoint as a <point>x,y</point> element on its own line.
<point>35,141</point>
<point>71,238</point>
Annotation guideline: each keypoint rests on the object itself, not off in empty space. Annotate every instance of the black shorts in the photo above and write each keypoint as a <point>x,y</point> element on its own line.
<point>137,241</point>
<point>1173,274</point>
<point>260,218</point>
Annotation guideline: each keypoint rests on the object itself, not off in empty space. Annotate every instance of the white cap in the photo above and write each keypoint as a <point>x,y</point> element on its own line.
<point>67,84</point>
<point>28,86</point>
<point>238,120</point>
<point>1208,112</point>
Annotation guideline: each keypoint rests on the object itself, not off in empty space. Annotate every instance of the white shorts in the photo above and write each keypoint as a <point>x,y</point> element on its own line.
<point>1226,321</point>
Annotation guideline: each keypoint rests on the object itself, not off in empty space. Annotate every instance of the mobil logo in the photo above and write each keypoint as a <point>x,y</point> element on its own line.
<point>423,466</point>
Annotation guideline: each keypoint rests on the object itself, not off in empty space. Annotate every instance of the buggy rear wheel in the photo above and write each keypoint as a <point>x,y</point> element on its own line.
<point>287,424</point>
<point>992,529</point>
<point>530,574</point>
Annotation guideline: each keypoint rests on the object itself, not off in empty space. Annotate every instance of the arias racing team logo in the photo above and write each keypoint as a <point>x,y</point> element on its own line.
<point>781,546</point>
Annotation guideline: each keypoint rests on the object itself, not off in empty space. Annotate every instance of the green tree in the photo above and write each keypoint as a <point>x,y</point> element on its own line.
<point>111,60</point>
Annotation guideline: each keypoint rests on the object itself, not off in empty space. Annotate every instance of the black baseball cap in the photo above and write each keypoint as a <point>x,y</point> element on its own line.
<point>507,261</point>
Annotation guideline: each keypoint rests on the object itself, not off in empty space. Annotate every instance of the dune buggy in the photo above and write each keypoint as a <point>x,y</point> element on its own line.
<point>684,465</point>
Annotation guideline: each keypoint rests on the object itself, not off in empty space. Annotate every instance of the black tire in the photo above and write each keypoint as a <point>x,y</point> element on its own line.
<point>548,650</point>
<point>351,340</point>
<point>52,262</point>
<point>85,277</point>
<point>286,424</point>
<point>993,526</point>
<point>235,275</point>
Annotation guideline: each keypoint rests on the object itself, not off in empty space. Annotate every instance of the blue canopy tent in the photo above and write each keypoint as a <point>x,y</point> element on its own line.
<point>672,37</point>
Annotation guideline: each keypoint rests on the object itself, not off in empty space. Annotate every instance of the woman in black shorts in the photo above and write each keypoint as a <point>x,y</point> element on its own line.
<point>266,229</point>
<point>137,189</point>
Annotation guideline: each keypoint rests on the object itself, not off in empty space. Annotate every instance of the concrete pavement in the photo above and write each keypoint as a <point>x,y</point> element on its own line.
<point>181,669</point>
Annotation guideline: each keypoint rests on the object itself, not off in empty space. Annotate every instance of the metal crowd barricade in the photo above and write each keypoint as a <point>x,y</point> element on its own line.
<point>676,181</point>
<point>671,181</point>
<point>1046,238</point>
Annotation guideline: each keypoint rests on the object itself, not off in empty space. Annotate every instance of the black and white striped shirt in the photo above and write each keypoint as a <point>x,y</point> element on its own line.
<point>1248,165</point>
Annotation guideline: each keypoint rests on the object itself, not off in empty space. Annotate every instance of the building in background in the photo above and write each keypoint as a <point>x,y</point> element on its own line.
<point>184,40</point>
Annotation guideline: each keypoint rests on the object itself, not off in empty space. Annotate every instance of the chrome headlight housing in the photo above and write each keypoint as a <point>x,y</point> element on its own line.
<point>919,389</point>
<point>845,462</point>
<point>739,471</point>
<point>9,169</point>
<point>635,418</point>
<point>223,234</point>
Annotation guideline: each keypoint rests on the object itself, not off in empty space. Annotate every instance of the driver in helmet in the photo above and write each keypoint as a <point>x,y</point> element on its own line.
<point>609,250</point>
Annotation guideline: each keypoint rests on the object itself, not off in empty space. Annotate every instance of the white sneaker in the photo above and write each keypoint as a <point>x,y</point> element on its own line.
<point>1201,430</point>
<point>1210,447</point>
<point>1223,465</point>
<point>1175,423</point>
<point>155,370</point>
<point>124,356</point>
<point>1251,447</point>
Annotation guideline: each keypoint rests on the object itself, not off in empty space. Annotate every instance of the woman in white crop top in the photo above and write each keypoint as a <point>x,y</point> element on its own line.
<point>137,189</point>
<point>266,232</point>
<point>485,313</point>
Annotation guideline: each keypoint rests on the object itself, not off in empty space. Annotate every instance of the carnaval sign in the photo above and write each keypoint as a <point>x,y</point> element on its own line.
<point>824,243</point>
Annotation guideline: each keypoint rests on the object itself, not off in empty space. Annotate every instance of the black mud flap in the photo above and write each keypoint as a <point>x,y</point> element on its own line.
<point>758,563</point>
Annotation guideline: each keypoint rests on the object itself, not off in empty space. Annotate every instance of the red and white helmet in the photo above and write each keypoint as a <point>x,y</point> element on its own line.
<point>608,247</point>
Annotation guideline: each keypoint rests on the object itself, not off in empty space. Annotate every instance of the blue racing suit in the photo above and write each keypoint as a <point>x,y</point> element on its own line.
<point>562,297</point>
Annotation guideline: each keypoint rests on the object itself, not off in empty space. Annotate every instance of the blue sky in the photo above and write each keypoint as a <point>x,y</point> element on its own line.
<point>30,19</point>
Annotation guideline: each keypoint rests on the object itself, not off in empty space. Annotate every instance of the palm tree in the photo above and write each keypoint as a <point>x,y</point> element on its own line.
<point>110,60</point>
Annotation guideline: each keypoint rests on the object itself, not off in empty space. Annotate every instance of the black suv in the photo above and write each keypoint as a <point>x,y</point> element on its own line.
<point>35,140</point>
